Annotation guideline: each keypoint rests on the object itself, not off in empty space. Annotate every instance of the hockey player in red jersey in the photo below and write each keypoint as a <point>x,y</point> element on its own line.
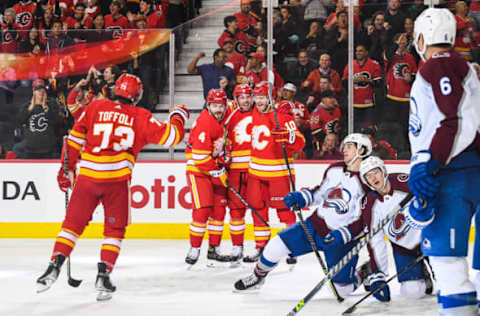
<point>207,176</point>
<point>108,136</point>
<point>239,136</point>
<point>268,178</point>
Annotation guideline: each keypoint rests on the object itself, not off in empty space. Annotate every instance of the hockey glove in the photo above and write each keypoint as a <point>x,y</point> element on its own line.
<point>63,180</point>
<point>179,112</point>
<point>420,213</point>
<point>220,175</point>
<point>338,237</point>
<point>283,136</point>
<point>376,281</point>
<point>300,198</point>
<point>421,181</point>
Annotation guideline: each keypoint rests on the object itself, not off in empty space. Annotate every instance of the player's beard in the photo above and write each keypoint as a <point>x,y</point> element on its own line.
<point>219,115</point>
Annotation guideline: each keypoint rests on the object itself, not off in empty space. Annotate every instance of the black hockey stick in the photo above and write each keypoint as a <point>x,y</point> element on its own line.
<point>229,186</point>
<point>339,266</point>
<point>71,281</point>
<point>298,211</point>
<point>352,308</point>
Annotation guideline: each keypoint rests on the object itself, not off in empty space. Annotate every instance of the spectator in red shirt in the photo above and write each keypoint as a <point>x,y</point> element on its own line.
<point>332,19</point>
<point>10,33</point>
<point>465,36</point>
<point>45,25</point>
<point>256,71</point>
<point>329,149</point>
<point>25,16</point>
<point>116,21</point>
<point>234,60</point>
<point>232,32</point>
<point>312,83</point>
<point>325,119</point>
<point>367,75</point>
<point>93,8</point>
<point>154,19</point>
<point>247,20</point>
<point>78,22</point>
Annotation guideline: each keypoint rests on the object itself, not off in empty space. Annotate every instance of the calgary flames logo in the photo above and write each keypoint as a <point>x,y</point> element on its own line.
<point>24,18</point>
<point>400,70</point>
<point>337,199</point>
<point>398,227</point>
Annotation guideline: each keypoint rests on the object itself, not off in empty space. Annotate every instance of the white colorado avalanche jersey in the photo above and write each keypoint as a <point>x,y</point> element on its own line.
<point>444,107</point>
<point>338,198</point>
<point>376,207</point>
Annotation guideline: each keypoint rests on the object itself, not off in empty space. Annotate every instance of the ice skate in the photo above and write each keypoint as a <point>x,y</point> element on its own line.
<point>428,277</point>
<point>362,274</point>
<point>45,281</point>
<point>291,262</point>
<point>192,256</point>
<point>103,284</point>
<point>213,256</point>
<point>237,255</point>
<point>254,257</point>
<point>251,282</point>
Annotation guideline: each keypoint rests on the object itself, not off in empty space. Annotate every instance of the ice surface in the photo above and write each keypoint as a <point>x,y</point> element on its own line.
<point>152,279</point>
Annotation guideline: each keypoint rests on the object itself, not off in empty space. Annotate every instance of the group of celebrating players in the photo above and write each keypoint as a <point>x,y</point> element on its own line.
<point>240,153</point>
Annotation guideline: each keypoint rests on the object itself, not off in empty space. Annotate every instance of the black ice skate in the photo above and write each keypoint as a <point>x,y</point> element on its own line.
<point>50,276</point>
<point>103,284</point>
<point>214,256</point>
<point>251,282</point>
<point>237,254</point>
<point>192,255</point>
<point>254,257</point>
<point>362,273</point>
<point>428,277</point>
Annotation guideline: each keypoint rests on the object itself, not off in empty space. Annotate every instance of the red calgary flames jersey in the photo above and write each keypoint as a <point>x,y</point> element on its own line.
<point>239,135</point>
<point>9,39</point>
<point>117,26</point>
<point>363,91</point>
<point>205,142</point>
<point>326,121</point>
<point>25,16</point>
<point>109,136</point>
<point>398,88</point>
<point>267,159</point>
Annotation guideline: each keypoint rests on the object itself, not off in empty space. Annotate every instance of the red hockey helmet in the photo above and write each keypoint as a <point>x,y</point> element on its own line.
<point>217,96</point>
<point>261,88</point>
<point>241,89</point>
<point>129,87</point>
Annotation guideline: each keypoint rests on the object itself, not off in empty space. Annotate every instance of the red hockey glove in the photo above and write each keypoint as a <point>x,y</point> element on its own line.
<point>286,107</point>
<point>179,112</point>
<point>63,180</point>
<point>283,136</point>
<point>220,175</point>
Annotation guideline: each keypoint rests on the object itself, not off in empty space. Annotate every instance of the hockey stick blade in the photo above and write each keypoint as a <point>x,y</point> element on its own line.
<point>71,281</point>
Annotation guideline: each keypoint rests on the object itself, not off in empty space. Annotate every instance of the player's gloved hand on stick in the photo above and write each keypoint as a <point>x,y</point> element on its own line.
<point>420,213</point>
<point>220,175</point>
<point>63,180</point>
<point>338,237</point>
<point>421,181</point>
<point>283,135</point>
<point>179,112</point>
<point>377,280</point>
<point>300,198</point>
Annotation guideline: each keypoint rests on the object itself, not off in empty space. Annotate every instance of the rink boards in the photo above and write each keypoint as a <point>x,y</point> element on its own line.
<point>33,207</point>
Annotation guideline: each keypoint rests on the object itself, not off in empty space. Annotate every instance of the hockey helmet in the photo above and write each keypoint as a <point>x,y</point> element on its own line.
<point>217,96</point>
<point>438,26</point>
<point>129,87</point>
<point>369,164</point>
<point>261,88</point>
<point>360,140</point>
<point>241,89</point>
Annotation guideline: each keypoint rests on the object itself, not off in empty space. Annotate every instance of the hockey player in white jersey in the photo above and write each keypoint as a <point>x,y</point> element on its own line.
<point>445,166</point>
<point>338,197</point>
<point>388,191</point>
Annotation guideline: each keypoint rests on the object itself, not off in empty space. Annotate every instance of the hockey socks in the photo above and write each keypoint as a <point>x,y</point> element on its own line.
<point>237,226</point>
<point>110,251</point>
<point>65,242</point>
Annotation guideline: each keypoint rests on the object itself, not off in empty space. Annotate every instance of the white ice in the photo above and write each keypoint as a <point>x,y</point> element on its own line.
<point>152,279</point>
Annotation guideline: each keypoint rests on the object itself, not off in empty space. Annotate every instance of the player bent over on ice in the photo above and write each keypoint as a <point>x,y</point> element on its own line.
<point>445,167</point>
<point>388,191</point>
<point>338,197</point>
<point>108,136</point>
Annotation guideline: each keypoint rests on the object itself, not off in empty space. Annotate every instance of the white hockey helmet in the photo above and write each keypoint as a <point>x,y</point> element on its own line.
<point>369,164</point>
<point>438,26</point>
<point>360,140</point>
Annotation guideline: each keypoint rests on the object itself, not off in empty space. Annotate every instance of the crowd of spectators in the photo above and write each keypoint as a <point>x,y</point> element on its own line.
<point>34,112</point>
<point>310,58</point>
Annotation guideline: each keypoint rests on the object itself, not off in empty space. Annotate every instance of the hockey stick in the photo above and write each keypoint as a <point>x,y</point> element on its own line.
<point>339,266</point>
<point>271,79</point>
<point>352,308</point>
<point>229,186</point>
<point>71,281</point>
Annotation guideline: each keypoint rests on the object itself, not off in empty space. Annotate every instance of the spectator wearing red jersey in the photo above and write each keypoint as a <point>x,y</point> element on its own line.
<point>325,119</point>
<point>312,83</point>
<point>25,16</point>
<point>10,33</point>
<point>234,60</point>
<point>78,22</point>
<point>325,83</point>
<point>332,19</point>
<point>256,71</point>
<point>45,25</point>
<point>247,21</point>
<point>401,69</point>
<point>93,8</point>
<point>366,76</point>
<point>232,32</point>
<point>155,20</point>
<point>115,21</point>
<point>465,36</point>
<point>329,149</point>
